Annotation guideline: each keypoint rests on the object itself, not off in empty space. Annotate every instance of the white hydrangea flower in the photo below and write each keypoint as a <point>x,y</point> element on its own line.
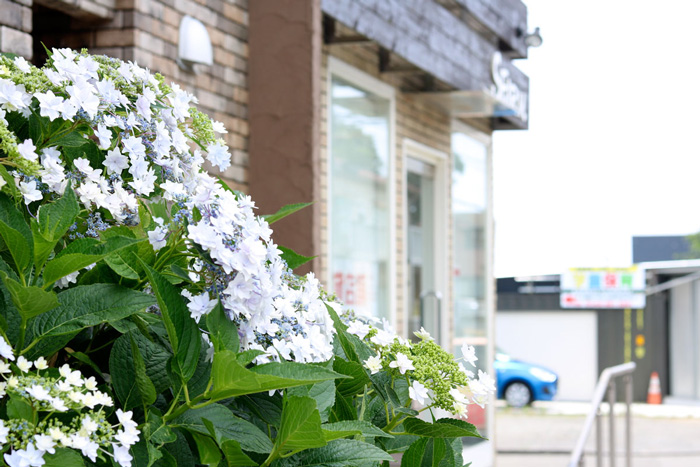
<point>6,350</point>
<point>469,354</point>
<point>402,362</point>
<point>418,392</point>
<point>23,364</point>
<point>374,364</point>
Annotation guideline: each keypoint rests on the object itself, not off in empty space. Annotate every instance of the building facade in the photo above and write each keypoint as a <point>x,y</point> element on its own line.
<point>380,112</point>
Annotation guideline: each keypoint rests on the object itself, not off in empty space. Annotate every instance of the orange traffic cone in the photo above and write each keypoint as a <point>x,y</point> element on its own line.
<point>654,394</point>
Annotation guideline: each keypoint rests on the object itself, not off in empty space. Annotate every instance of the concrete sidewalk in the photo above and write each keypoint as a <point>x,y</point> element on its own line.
<point>545,434</point>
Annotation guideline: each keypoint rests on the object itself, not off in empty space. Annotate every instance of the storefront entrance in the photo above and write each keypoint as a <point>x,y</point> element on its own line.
<point>426,253</point>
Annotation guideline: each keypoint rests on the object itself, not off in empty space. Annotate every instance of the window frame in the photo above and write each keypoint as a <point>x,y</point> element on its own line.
<point>368,83</point>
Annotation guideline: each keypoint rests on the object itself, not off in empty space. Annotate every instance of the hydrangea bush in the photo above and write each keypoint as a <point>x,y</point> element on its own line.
<point>148,318</point>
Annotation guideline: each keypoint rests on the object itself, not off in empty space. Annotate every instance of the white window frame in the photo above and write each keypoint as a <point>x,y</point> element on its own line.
<point>487,140</point>
<point>370,84</point>
<point>440,161</point>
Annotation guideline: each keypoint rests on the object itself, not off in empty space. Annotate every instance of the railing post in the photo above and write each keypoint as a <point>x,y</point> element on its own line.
<point>628,421</point>
<point>611,402</point>
<point>606,384</point>
<point>598,438</point>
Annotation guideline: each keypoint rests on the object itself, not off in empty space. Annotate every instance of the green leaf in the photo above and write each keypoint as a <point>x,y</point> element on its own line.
<point>343,409</point>
<point>300,428</point>
<point>83,358</point>
<point>226,425</point>
<point>292,258</point>
<point>337,453</point>
<point>183,332</point>
<point>358,377</point>
<point>16,234</point>
<point>66,263</point>
<point>30,301</point>
<point>323,393</point>
<point>71,140</point>
<point>443,428</point>
<point>145,386</point>
<point>179,272</point>
<point>234,455</point>
<point>231,379</point>
<point>352,427</point>
<point>90,305</point>
<point>265,407</point>
<point>85,306</point>
<point>9,186</point>
<point>52,222</point>
<point>222,331</point>
<point>63,457</point>
<point>426,452</point>
<point>19,408</point>
<point>56,218</point>
<point>180,451</point>
<point>247,356</point>
<point>123,369</point>
<point>124,262</point>
<point>157,431</point>
<point>284,211</point>
<point>209,452</point>
<point>35,132</point>
<point>199,381</point>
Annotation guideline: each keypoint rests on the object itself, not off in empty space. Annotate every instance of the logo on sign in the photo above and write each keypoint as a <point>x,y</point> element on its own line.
<point>505,90</point>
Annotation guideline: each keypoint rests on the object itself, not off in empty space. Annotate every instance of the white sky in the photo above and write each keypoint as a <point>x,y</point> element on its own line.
<point>613,145</point>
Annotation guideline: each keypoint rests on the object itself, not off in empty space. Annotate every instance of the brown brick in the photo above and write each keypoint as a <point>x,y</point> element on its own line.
<point>224,58</point>
<point>116,52</point>
<point>11,14</point>
<point>149,42</point>
<point>16,42</point>
<point>235,13</point>
<point>171,17</point>
<point>163,65</point>
<point>115,38</point>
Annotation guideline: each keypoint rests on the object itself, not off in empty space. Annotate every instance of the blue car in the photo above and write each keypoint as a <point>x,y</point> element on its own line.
<point>520,383</point>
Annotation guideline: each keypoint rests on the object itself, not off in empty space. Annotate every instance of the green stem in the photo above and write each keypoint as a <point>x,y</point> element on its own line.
<point>22,331</point>
<point>398,419</point>
<point>172,405</point>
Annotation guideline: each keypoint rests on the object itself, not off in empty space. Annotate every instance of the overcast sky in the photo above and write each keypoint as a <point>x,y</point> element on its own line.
<point>613,148</point>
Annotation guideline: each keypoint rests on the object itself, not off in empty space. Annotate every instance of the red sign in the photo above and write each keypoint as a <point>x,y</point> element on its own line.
<point>350,288</point>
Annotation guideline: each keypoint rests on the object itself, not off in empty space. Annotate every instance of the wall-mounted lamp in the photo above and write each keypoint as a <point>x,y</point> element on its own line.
<point>194,46</point>
<point>534,39</point>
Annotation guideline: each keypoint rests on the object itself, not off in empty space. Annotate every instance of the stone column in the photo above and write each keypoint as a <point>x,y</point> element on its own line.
<point>285,112</point>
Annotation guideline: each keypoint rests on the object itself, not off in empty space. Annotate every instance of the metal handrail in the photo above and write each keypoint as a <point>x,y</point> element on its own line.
<point>606,383</point>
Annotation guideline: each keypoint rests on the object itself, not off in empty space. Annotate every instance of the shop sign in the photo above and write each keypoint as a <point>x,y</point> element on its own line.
<point>603,288</point>
<point>505,90</point>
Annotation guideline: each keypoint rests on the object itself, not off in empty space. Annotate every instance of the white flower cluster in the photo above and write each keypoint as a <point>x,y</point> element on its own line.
<point>145,130</point>
<point>88,431</point>
<point>435,378</point>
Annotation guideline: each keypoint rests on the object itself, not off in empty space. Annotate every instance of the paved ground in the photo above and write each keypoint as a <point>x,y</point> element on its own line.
<point>544,435</point>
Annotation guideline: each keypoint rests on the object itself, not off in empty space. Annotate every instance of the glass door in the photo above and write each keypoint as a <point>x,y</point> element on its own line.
<point>425,299</point>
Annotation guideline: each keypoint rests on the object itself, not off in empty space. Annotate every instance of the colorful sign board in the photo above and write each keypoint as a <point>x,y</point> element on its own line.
<point>603,288</point>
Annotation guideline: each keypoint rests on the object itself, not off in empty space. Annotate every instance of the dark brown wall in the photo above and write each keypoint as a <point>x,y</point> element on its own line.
<point>285,94</point>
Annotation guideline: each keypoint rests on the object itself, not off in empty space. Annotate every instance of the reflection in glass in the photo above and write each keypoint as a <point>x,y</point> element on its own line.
<point>359,204</point>
<point>420,196</point>
<point>469,204</point>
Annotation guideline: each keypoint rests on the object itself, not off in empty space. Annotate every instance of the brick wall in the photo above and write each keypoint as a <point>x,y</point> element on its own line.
<point>414,121</point>
<point>16,27</point>
<point>147,32</point>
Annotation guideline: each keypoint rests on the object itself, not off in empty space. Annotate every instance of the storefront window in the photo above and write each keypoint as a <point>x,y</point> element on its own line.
<point>359,201</point>
<point>469,207</point>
